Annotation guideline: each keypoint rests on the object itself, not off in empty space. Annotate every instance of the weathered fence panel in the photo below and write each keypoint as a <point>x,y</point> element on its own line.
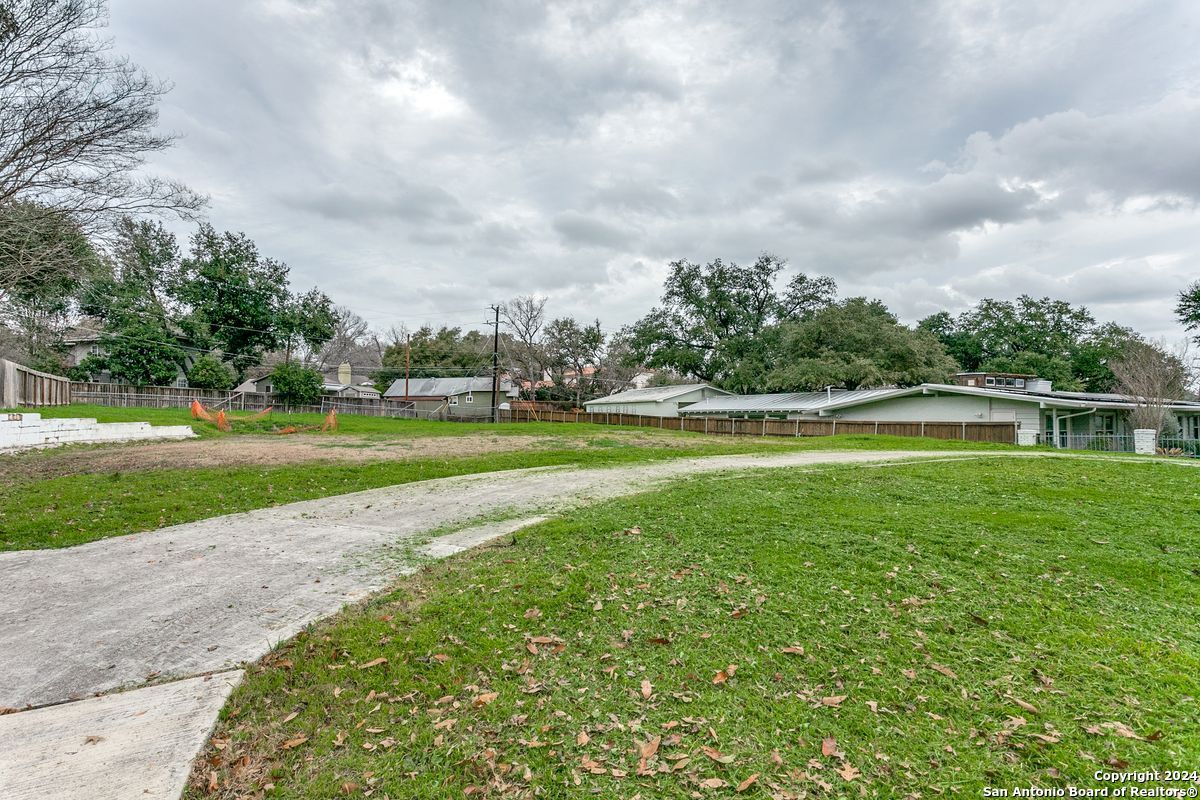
<point>997,432</point>
<point>174,397</point>
<point>22,386</point>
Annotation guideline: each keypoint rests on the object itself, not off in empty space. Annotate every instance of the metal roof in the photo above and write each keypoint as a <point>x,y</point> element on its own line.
<point>1051,399</point>
<point>823,404</point>
<point>654,394</point>
<point>442,387</point>
<point>798,402</point>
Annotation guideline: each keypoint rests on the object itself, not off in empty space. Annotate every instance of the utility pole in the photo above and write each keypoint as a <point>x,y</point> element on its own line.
<point>496,365</point>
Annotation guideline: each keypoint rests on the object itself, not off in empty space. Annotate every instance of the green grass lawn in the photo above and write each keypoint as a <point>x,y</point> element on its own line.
<point>72,509</point>
<point>242,423</point>
<point>877,632</point>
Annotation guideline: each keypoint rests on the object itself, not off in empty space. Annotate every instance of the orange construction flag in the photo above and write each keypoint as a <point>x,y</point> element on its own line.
<point>262,413</point>
<point>200,412</point>
<point>222,423</point>
<point>330,421</point>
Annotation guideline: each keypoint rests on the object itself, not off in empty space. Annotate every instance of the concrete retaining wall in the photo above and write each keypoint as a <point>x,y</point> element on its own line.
<point>26,431</point>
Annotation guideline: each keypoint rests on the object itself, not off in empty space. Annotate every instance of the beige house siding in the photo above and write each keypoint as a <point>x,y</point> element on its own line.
<point>653,408</point>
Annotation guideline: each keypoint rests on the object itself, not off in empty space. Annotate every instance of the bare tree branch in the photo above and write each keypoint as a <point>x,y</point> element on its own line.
<point>76,121</point>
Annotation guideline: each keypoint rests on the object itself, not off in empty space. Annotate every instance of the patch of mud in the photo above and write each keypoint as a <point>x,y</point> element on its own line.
<point>232,451</point>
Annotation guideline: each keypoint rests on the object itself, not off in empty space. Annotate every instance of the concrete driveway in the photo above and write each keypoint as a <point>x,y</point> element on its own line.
<point>170,616</point>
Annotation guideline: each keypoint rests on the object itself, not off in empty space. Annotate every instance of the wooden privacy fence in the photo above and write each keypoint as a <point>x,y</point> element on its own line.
<point>997,432</point>
<point>127,396</point>
<point>22,386</point>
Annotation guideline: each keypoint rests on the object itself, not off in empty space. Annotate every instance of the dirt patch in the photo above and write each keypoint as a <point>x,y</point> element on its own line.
<point>298,449</point>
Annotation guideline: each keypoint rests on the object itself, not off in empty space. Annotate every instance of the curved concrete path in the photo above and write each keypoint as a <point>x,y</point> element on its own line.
<point>202,598</point>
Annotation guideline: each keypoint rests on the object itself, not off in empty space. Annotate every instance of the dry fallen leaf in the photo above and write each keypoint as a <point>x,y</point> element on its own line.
<point>1030,707</point>
<point>746,784</point>
<point>649,749</point>
<point>848,771</point>
<point>717,755</point>
<point>582,739</point>
<point>835,701</point>
<point>291,743</point>
<point>647,689</point>
<point>712,783</point>
<point>949,673</point>
<point>484,699</point>
<point>829,747</point>
<point>1121,729</point>
<point>794,650</point>
<point>374,663</point>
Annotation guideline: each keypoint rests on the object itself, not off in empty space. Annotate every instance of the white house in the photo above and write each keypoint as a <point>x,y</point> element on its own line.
<point>1068,419</point>
<point>654,401</point>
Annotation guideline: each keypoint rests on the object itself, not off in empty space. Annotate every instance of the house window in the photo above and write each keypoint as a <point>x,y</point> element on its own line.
<point>970,381</point>
<point>1019,383</point>
<point>989,381</point>
<point>470,398</point>
<point>453,400</point>
<point>1193,427</point>
<point>94,350</point>
<point>1106,424</point>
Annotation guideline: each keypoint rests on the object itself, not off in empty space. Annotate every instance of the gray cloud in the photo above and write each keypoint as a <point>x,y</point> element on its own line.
<point>580,229</point>
<point>416,158</point>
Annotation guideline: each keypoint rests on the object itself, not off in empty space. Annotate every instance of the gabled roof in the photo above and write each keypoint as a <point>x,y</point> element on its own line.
<point>654,394</point>
<point>443,387</point>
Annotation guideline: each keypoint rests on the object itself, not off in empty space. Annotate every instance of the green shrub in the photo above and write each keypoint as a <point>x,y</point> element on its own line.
<point>209,373</point>
<point>296,384</point>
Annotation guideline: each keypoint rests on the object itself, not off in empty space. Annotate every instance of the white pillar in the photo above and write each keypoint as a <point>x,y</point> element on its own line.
<point>1145,441</point>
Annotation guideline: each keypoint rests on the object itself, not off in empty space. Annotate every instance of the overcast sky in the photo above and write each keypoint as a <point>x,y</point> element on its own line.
<point>419,161</point>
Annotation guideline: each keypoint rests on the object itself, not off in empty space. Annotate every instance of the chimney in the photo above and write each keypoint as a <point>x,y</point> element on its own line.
<point>344,373</point>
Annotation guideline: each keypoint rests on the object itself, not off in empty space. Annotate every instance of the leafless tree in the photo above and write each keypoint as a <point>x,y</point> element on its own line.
<point>523,319</point>
<point>618,366</point>
<point>1151,376</point>
<point>348,343</point>
<point>76,121</point>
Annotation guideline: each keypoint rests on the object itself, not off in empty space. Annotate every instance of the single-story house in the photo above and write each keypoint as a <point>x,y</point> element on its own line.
<point>260,384</point>
<point>655,401</point>
<point>1069,419</point>
<point>344,383</point>
<point>454,397</point>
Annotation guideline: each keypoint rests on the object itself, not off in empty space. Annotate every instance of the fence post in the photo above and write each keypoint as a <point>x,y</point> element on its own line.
<point>764,426</point>
<point>964,431</point>
<point>834,427</point>
<point>797,427</point>
<point>922,428</point>
<point>876,427</point>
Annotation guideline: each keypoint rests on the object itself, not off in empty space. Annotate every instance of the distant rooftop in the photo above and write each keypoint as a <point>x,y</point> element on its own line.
<point>653,394</point>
